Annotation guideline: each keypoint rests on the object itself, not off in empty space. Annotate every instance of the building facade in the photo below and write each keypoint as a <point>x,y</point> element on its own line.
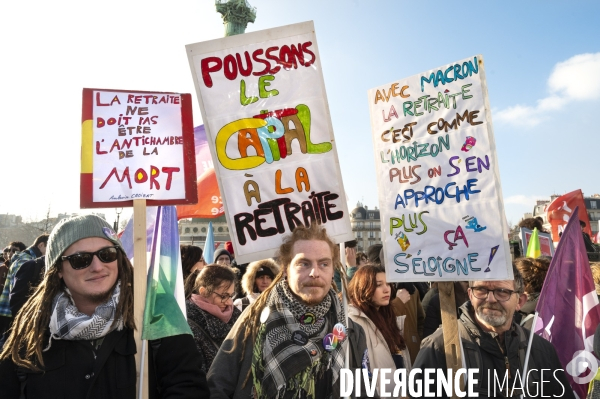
<point>193,231</point>
<point>366,226</point>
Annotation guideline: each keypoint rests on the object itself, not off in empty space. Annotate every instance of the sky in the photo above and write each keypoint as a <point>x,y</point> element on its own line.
<point>542,65</point>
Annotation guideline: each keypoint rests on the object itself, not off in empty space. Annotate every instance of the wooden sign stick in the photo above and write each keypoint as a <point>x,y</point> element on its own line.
<point>140,280</point>
<point>450,329</point>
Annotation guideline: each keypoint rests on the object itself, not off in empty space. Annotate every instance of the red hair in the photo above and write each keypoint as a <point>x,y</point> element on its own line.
<point>361,290</point>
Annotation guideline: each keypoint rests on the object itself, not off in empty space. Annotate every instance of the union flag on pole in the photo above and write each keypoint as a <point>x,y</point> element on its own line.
<point>568,310</point>
<point>560,210</point>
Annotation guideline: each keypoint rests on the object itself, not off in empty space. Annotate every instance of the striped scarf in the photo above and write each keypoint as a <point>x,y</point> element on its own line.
<point>68,323</point>
<point>279,364</point>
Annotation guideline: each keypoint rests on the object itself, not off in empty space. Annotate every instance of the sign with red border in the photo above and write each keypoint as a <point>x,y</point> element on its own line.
<point>136,145</point>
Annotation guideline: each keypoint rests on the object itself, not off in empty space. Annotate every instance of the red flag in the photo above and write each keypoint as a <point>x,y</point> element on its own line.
<point>560,210</point>
<point>568,309</point>
<point>209,204</point>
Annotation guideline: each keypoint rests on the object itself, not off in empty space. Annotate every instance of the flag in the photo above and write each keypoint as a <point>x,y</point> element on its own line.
<point>209,245</point>
<point>533,249</point>
<point>209,204</point>
<point>568,310</point>
<point>164,313</point>
<point>560,210</point>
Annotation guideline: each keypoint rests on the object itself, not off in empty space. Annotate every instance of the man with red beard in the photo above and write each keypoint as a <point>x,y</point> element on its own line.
<point>291,342</point>
<point>496,346</point>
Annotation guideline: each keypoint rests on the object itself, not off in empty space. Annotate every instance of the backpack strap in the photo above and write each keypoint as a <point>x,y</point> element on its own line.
<point>472,353</point>
<point>155,345</point>
<point>205,333</point>
<point>22,376</point>
<point>245,302</point>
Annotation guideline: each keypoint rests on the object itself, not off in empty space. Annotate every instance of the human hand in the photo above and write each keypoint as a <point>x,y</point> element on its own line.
<point>403,295</point>
<point>351,257</point>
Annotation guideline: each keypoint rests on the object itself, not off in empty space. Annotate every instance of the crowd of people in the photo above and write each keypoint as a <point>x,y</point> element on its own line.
<point>275,328</point>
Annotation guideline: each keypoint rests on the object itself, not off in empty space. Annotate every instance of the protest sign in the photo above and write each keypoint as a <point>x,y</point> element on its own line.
<point>265,111</point>
<point>440,198</point>
<point>136,145</point>
<point>546,244</point>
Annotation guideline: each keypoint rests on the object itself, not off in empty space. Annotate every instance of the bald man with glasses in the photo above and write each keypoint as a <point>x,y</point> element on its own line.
<point>495,345</point>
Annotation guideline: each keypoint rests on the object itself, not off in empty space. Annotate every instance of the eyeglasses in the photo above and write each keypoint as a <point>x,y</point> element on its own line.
<point>224,297</point>
<point>15,250</point>
<point>501,294</point>
<point>81,260</point>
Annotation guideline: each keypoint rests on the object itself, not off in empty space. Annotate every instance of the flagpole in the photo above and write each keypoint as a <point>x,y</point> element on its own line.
<point>345,300</point>
<point>532,331</point>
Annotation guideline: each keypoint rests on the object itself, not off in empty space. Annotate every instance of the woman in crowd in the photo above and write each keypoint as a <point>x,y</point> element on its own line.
<point>259,275</point>
<point>370,294</point>
<point>534,273</point>
<point>191,259</point>
<point>210,310</point>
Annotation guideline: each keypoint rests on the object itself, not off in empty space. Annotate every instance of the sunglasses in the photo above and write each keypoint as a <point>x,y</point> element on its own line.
<point>81,260</point>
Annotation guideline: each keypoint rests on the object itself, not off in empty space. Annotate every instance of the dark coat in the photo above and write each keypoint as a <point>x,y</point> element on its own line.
<point>228,372</point>
<point>72,372</point>
<point>28,277</point>
<point>543,356</point>
<point>202,322</point>
<point>433,312</point>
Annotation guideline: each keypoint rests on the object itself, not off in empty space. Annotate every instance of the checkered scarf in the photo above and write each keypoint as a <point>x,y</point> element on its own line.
<point>68,323</point>
<point>280,365</point>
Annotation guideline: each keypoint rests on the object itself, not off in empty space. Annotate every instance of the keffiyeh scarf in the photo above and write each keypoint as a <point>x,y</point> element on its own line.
<point>68,323</point>
<point>279,364</point>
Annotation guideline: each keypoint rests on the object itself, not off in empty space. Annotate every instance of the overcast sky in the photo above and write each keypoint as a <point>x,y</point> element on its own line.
<point>542,64</point>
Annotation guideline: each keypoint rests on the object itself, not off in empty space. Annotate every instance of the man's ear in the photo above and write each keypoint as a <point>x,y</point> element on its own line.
<point>522,300</point>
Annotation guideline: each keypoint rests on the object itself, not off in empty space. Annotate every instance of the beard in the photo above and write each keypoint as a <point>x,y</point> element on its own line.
<point>313,297</point>
<point>492,320</point>
<point>102,297</point>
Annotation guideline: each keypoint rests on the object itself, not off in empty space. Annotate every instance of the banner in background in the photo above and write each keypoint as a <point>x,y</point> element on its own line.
<point>561,209</point>
<point>263,101</point>
<point>209,204</point>
<point>442,212</point>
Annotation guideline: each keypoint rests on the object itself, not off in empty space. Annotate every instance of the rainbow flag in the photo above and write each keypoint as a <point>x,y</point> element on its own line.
<point>164,314</point>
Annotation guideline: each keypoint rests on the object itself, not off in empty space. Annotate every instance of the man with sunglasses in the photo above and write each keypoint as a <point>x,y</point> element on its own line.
<point>74,337</point>
<point>495,345</point>
<point>18,258</point>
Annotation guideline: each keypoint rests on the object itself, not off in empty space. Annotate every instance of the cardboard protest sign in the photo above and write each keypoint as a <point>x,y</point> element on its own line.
<point>136,145</point>
<point>441,205</point>
<point>546,244</point>
<point>265,111</point>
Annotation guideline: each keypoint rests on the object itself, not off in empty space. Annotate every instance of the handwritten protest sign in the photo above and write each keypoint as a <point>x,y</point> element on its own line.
<point>437,173</point>
<point>267,120</point>
<point>137,145</point>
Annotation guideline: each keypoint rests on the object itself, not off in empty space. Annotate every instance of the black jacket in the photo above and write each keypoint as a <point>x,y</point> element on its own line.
<point>72,372</point>
<point>28,277</point>
<point>543,356</point>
